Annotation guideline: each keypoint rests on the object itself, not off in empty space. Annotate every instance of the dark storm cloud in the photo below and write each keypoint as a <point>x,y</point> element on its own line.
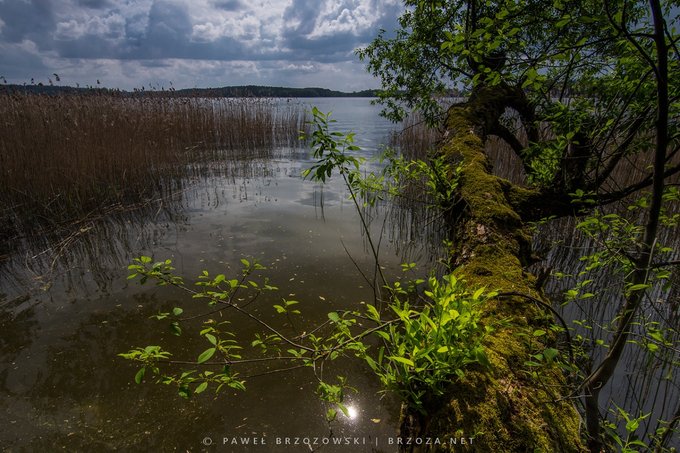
<point>308,29</point>
<point>87,47</point>
<point>135,27</point>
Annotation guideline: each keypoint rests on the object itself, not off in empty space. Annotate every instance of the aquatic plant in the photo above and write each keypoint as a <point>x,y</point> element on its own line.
<point>69,156</point>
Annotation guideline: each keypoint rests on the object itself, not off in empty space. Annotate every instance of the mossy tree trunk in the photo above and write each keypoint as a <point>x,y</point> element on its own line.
<point>502,408</point>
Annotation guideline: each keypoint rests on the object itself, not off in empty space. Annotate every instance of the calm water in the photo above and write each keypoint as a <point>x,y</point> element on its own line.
<point>64,321</point>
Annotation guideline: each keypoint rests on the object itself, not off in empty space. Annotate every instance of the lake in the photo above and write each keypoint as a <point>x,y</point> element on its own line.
<point>65,319</point>
<point>67,310</point>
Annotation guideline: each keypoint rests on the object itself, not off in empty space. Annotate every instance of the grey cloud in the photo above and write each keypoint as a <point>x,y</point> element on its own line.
<point>229,5</point>
<point>155,64</point>
<point>165,31</point>
<point>88,46</point>
<point>169,25</point>
<point>169,36</point>
<point>338,45</point>
<point>326,48</point>
<point>156,36</point>
<point>32,20</point>
<point>95,4</point>
<point>305,13</point>
<point>135,27</point>
<point>20,65</point>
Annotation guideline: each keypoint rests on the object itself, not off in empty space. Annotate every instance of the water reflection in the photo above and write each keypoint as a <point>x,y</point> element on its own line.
<point>352,412</point>
<point>646,383</point>
<point>66,319</point>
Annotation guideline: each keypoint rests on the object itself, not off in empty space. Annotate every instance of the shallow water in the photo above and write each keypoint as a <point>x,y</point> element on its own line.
<point>64,321</point>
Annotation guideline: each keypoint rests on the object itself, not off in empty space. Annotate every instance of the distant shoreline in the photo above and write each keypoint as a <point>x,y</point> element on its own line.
<point>246,91</point>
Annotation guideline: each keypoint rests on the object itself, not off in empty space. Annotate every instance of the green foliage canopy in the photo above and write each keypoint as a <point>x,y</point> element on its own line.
<point>574,83</point>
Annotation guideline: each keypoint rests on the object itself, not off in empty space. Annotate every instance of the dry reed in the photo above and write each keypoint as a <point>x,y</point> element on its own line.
<point>63,157</point>
<point>415,139</point>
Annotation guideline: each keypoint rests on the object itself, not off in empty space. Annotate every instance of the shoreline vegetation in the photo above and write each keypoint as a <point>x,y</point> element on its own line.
<point>67,157</point>
<point>237,91</point>
<point>243,91</point>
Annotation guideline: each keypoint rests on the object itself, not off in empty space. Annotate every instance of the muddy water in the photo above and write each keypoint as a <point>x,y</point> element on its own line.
<point>63,323</point>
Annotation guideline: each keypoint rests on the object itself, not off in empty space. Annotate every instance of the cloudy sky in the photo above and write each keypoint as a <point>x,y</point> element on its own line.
<point>191,43</point>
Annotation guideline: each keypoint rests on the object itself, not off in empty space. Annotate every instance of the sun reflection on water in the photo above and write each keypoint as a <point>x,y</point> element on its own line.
<point>352,412</point>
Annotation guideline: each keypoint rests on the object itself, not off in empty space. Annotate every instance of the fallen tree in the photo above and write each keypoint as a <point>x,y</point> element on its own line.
<point>585,95</point>
<point>503,407</point>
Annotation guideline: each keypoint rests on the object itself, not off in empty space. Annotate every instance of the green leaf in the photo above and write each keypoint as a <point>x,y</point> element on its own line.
<point>175,329</point>
<point>201,387</point>
<point>550,353</point>
<point>481,357</point>
<point>372,312</point>
<point>140,375</point>
<point>384,335</point>
<point>632,426</point>
<point>177,311</point>
<point>206,355</point>
<point>478,293</point>
<point>211,338</point>
<point>403,360</point>
<point>333,316</point>
<point>184,392</point>
<point>371,363</point>
<point>344,409</point>
<point>656,335</point>
<point>639,287</point>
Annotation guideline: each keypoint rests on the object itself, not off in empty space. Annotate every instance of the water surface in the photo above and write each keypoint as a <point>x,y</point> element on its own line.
<point>65,320</point>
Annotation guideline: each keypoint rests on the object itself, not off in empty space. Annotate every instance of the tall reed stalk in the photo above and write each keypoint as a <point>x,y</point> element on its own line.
<point>63,157</point>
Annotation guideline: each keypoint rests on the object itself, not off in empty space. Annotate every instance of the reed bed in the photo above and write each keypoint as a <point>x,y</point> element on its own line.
<point>416,139</point>
<point>64,157</point>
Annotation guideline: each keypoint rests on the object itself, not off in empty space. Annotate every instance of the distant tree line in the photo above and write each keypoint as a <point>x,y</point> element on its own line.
<point>229,91</point>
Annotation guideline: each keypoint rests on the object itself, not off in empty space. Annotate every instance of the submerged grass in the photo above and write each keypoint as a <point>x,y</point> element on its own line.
<point>68,156</point>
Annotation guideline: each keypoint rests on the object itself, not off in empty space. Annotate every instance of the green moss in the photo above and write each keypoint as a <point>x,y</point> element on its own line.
<point>481,190</point>
<point>503,408</point>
